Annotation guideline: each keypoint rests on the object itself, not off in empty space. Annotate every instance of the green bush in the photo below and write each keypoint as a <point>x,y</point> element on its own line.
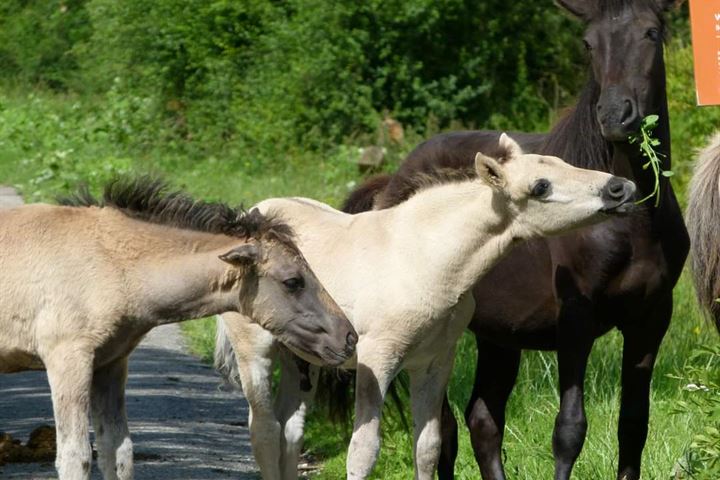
<point>37,38</point>
<point>259,77</point>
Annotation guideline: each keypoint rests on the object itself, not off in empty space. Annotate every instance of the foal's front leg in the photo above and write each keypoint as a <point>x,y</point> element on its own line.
<point>70,369</point>
<point>115,449</point>
<point>255,351</point>
<point>427,391</point>
<point>374,374</point>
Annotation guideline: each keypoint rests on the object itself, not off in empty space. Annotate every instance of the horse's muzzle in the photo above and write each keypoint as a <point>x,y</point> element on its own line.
<point>617,195</point>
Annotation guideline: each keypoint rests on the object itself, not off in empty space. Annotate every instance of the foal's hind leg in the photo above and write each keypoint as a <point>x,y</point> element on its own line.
<point>642,338</point>
<point>115,449</point>
<point>495,376</point>
<point>69,370</point>
<point>294,396</point>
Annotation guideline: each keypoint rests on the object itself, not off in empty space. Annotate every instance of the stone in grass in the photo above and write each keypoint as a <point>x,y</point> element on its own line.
<point>371,157</point>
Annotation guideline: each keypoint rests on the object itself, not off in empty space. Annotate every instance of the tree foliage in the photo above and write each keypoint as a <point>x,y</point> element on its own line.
<point>309,72</point>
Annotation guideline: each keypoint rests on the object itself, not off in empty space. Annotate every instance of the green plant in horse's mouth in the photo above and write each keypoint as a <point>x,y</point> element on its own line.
<point>647,144</point>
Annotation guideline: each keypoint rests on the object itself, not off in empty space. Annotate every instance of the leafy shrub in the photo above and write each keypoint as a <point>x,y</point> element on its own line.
<point>37,38</point>
<point>262,77</point>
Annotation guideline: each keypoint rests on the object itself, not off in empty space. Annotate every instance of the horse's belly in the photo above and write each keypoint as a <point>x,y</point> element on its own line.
<point>118,343</point>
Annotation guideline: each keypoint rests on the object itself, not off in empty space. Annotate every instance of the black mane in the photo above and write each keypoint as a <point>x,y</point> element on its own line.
<point>580,123</point>
<point>151,200</point>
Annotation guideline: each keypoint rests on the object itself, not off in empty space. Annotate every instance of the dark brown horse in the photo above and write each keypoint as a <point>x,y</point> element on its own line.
<point>561,294</point>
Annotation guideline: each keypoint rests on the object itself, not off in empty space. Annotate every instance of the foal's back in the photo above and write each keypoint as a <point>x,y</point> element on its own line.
<point>65,272</point>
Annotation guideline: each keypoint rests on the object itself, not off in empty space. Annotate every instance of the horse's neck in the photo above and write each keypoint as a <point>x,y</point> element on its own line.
<point>457,231</point>
<point>176,274</point>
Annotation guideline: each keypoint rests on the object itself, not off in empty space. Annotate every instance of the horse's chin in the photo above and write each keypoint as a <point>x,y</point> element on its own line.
<point>619,133</point>
<point>329,359</point>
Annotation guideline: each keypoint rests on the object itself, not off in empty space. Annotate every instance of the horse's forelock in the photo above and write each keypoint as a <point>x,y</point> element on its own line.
<point>593,10</point>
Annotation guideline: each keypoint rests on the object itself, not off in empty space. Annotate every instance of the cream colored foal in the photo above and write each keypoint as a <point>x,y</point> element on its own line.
<point>403,276</point>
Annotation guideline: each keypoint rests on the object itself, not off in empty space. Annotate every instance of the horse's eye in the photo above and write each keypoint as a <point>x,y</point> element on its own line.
<point>588,47</point>
<point>541,188</point>
<point>294,284</point>
<point>653,34</point>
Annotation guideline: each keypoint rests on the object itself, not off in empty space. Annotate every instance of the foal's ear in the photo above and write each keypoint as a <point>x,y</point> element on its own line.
<point>579,8</point>
<point>511,148</point>
<point>490,171</point>
<point>243,255</point>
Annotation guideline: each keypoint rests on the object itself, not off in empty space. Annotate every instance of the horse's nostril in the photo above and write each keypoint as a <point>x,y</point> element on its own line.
<point>351,339</point>
<point>617,191</point>
<point>628,114</point>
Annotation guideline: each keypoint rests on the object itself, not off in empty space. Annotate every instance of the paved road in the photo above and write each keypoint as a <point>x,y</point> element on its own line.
<point>184,424</point>
<point>9,198</point>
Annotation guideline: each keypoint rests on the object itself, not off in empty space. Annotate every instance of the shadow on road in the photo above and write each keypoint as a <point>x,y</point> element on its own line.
<point>184,425</point>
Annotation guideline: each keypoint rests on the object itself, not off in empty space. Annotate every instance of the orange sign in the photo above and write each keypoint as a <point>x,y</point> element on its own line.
<point>705,27</point>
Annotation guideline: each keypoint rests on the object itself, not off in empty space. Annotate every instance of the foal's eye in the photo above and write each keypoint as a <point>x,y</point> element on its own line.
<point>294,284</point>
<point>541,188</point>
<point>653,34</point>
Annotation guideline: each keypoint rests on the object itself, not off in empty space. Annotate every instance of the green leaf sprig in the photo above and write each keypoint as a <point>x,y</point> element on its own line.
<point>644,138</point>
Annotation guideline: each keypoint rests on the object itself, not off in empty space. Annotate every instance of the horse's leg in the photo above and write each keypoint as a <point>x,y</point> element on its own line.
<point>575,340</point>
<point>375,371</point>
<point>427,391</point>
<point>449,447</point>
<point>115,449</point>
<point>641,343</point>
<point>294,396</point>
<point>70,372</point>
<point>254,352</point>
<point>495,376</point>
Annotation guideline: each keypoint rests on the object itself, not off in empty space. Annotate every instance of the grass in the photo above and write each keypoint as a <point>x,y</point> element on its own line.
<point>49,143</point>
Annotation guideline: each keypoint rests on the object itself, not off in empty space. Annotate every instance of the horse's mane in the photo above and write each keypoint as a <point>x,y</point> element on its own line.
<point>452,169</point>
<point>440,176</point>
<point>703,215</point>
<point>151,200</point>
<point>576,137</point>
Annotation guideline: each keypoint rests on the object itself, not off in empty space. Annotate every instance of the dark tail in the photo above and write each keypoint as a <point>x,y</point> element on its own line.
<point>703,221</point>
<point>336,395</point>
<point>361,199</point>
